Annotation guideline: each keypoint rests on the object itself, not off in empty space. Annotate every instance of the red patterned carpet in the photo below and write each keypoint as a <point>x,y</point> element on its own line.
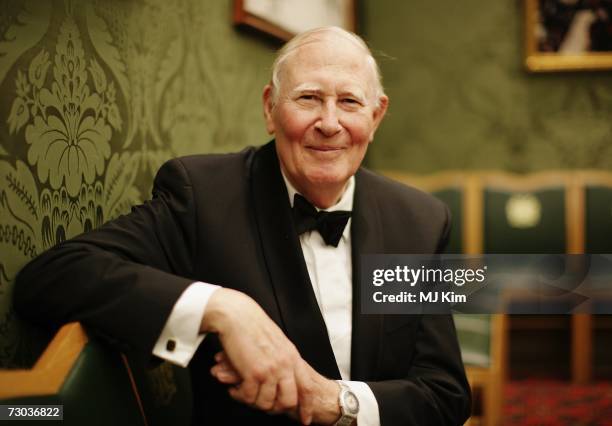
<point>556,403</point>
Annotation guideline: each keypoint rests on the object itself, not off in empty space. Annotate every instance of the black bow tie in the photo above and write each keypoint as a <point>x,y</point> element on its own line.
<point>329,224</point>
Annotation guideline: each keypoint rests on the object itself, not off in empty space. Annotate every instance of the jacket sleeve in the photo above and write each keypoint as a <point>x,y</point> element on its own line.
<point>122,279</point>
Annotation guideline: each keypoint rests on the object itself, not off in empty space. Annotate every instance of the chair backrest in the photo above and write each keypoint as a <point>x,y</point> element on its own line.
<point>99,386</point>
<point>89,380</point>
<point>525,213</point>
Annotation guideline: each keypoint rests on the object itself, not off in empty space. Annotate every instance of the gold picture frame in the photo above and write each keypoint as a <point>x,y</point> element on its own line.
<point>285,18</point>
<point>546,50</point>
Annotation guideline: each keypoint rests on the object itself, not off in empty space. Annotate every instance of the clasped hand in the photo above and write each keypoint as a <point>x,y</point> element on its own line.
<point>260,364</point>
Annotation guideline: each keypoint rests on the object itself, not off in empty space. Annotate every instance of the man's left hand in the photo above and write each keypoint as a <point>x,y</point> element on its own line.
<point>323,391</point>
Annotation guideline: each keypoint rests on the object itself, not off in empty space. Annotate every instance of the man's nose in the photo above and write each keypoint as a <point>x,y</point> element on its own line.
<point>328,123</point>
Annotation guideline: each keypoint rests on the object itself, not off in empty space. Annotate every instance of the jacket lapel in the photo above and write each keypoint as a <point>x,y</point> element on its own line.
<point>300,315</point>
<point>367,238</point>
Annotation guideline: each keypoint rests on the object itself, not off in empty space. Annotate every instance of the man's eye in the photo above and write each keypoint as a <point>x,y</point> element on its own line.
<point>350,101</point>
<point>308,97</point>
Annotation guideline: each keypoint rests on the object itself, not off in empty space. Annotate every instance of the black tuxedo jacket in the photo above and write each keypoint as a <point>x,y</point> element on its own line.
<point>226,219</point>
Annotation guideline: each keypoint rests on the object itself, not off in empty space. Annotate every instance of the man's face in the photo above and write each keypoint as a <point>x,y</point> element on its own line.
<point>324,115</point>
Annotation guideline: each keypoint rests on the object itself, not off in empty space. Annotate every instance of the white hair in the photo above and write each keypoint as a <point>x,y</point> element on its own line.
<point>319,34</point>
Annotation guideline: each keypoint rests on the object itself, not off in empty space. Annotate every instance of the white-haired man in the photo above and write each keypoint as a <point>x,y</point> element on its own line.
<point>232,269</point>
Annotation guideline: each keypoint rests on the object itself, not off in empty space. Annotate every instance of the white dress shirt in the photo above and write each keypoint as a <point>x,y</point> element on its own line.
<point>330,271</point>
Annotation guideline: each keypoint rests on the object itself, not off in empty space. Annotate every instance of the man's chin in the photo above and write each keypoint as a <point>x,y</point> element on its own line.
<point>326,179</point>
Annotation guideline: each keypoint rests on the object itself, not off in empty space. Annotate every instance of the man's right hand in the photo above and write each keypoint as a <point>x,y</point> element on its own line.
<point>263,356</point>
<point>325,392</point>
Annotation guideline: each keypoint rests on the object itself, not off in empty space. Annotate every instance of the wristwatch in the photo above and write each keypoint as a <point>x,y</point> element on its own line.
<point>349,406</point>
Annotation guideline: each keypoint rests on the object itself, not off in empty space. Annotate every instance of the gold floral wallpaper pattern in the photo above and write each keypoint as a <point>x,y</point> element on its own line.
<point>95,95</point>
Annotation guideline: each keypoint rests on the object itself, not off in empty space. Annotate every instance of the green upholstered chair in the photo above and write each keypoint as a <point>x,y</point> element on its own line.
<point>98,386</point>
<point>89,380</point>
<point>543,213</point>
<point>524,214</point>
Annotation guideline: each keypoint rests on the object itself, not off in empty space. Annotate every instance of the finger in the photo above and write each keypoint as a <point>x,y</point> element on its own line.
<point>266,396</point>
<point>223,366</point>
<point>247,391</point>
<point>305,393</point>
<point>230,373</point>
<point>225,376</point>
<point>228,379</point>
<point>287,396</point>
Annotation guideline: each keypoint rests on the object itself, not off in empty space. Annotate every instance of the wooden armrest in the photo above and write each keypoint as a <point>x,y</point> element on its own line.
<point>50,371</point>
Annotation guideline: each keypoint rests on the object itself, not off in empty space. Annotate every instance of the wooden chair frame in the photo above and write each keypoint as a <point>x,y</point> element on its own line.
<point>574,228</point>
<point>51,370</point>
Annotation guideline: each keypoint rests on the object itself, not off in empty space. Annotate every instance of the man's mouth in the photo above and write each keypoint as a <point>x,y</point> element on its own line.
<point>325,148</point>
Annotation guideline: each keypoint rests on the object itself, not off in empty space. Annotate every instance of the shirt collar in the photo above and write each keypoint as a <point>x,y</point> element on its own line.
<point>345,202</point>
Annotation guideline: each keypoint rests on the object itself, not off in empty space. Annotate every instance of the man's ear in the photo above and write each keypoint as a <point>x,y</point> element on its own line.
<point>379,113</point>
<point>268,106</point>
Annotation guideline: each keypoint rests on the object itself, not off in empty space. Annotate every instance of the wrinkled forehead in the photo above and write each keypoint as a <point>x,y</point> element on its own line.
<point>338,54</point>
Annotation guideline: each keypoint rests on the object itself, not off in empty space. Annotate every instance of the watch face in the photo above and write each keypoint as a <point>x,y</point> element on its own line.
<point>352,404</point>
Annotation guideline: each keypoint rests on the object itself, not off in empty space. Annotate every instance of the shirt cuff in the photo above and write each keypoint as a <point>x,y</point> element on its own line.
<point>368,406</point>
<point>181,336</point>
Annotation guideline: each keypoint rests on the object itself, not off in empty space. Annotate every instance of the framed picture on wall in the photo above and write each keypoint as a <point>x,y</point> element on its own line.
<point>285,18</point>
<point>568,35</point>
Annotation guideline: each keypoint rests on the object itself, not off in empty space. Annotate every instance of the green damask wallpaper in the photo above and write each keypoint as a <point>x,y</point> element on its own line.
<point>95,95</point>
<point>460,97</point>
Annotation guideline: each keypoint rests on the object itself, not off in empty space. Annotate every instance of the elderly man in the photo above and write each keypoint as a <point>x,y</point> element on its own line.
<point>233,269</point>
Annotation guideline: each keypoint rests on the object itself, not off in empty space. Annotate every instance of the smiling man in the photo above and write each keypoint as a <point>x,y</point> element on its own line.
<point>323,108</point>
<point>245,266</point>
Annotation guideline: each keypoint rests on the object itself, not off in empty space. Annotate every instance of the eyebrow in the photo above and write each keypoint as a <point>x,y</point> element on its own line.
<point>313,88</point>
<point>307,87</point>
